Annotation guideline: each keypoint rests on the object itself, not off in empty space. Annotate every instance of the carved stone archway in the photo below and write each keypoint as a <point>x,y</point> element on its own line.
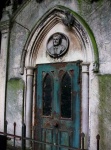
<point>34,52</point>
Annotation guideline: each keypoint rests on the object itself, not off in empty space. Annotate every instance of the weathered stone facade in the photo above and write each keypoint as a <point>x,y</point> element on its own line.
<point>23,46</point>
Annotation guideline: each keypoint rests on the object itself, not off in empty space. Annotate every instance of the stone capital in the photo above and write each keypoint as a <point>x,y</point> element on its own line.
<point>4,26</point>
<point>30,71</point>
<point>85,67</point>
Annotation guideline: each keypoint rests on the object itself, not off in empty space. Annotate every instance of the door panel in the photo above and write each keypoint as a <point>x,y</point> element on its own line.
<point>58,106</point>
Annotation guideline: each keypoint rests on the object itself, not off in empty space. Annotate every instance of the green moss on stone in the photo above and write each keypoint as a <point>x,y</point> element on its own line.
<point>14,104</point>
<point>15,84</point>
<point>13,88</point>
<point>105,111</point>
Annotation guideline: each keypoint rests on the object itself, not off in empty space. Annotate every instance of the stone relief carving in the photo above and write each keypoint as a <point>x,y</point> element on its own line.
<point>69,19</point>
<point>57,45</point>
<point>71,22</point>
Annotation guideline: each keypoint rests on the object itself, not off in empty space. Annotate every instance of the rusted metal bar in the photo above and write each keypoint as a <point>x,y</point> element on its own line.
<point>23,136</point>
<point>82,140</point>
<point>51,144</point>
<point>11,135</point>
<point>14,133</point>
<point>5,127</point>
<point>98,139</point>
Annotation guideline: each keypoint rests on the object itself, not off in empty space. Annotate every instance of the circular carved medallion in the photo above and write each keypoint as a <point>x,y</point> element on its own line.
<point>57,44</point>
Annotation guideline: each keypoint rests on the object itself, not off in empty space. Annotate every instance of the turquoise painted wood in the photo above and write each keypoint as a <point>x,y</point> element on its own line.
<point>51,126</point>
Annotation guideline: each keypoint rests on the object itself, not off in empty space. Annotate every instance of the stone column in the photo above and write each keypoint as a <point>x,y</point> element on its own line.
<point>29,103</point>
<point>5,34</point>
<point>85,101</point>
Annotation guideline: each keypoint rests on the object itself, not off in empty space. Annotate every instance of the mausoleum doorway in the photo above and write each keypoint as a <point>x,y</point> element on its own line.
<point>59,63</point>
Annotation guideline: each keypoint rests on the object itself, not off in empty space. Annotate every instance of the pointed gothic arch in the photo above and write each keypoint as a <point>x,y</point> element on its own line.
<point>32,55</point>
<point>46,23</point>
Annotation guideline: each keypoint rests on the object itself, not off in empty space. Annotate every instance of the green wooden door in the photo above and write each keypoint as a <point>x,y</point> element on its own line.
<point>58,106</point>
